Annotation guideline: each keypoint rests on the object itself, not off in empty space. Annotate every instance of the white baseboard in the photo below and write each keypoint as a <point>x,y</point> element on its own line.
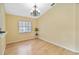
<point>59,45</point>
<point>19,41</point>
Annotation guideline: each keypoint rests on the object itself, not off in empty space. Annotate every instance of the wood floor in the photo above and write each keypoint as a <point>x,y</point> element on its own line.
<point>35,47</point>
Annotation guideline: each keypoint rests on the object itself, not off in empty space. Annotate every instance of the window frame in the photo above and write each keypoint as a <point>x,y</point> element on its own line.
<point>25,26</point>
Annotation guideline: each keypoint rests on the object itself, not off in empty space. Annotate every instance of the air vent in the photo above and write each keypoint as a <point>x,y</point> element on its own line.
<point>52,4</point>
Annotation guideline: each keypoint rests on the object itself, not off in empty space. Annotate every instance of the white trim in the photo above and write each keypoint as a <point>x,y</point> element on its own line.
<point>60,45</point>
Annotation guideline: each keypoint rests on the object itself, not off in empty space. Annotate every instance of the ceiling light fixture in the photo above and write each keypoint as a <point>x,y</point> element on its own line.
<point>35,11</point>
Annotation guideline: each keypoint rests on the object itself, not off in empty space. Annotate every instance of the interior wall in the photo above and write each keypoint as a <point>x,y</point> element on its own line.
<point>13,34</point>
<point>2,17</point>
<point>58,25</point>
<point>77,27</point>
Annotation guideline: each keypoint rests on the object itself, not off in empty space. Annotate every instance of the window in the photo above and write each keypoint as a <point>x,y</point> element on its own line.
<point>25,26</point>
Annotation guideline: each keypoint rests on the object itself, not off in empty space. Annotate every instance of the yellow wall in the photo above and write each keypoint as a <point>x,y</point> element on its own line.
<point>58,26</point>
<point>77,27</point>
<point>13,34</point>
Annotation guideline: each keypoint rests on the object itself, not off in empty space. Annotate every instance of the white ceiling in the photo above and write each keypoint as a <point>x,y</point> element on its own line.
<point>24,9</point>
